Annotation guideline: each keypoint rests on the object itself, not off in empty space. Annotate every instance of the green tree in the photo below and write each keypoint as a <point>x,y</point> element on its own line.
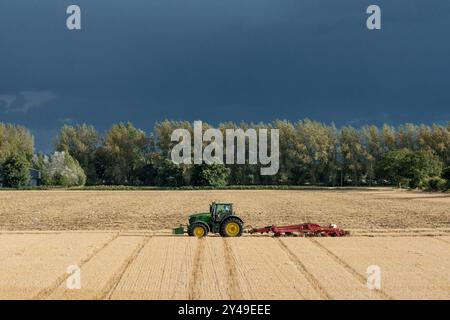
<point>315,150</point>
<point>446,176</point>
<point>123,154</point>
<point>39,163</point>
<point>81,142</point>
<point>15,140</point>
<point>435,184</point>
<point>169,174</point>
<point>423,164</point>
<point>446,173</point>
<point>291,171</point>
<point>59,169</point>
<point>388,138</point>
<point>352,154</point>
<point>214,175</point>
<point>163,132</point>
<point>410,168</point>
<point>159,171</point>
<point>407,136</point>
<point>15,171</point>
<point>392,166</point>
<point>370,139</point>
<point>440,142</point>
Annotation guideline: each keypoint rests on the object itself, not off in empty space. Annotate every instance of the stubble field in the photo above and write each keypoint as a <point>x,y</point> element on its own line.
<point>140,265</point>
<point>120,243</point>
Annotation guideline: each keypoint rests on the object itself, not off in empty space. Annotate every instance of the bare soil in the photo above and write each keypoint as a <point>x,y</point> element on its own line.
<point>156,210</point>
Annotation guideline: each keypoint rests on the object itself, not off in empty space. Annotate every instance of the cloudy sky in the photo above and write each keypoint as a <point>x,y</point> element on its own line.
<point>220,60</point>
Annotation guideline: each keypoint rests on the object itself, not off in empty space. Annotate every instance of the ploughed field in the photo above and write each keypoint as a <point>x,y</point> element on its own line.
<point>120,242</point>
<point>151,265</point>
<point>156,210</point>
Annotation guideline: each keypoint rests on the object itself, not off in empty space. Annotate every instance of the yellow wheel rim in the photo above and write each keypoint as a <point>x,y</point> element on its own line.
<point>232,229</point>
<point>199,232</point>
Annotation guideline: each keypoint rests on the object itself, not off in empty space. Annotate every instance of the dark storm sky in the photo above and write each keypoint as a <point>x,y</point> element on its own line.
<point>220,60</point>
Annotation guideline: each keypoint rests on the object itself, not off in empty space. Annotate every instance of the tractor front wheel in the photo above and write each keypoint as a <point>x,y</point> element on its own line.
<point>198,230</point>
<point>231,227</point>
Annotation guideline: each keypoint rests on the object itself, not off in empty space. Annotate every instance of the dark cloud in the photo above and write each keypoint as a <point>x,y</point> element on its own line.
<point>214,60</point>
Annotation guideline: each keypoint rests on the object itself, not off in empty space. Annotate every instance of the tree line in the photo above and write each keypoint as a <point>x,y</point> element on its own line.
<point>311,153</point>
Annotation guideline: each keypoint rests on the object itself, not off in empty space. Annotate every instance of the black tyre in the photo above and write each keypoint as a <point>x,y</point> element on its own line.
<point>231,227</point>
<point>198,230</point>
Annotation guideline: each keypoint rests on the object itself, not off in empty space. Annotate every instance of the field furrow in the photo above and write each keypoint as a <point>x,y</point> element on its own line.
<point>100,274</point>
<point>34,269</point>
<point>266,272</point>
<point>213,275</point>
<point>162,270</point>
<point>444,239</point>
<point>332,277</point>
<point>411,267</point>
<point>234,291</point>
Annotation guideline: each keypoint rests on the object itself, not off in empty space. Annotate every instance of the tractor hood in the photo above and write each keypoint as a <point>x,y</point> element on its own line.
<point>205,217</point>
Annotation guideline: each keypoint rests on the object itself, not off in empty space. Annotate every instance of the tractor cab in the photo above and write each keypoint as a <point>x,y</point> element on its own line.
<point>220,210</point>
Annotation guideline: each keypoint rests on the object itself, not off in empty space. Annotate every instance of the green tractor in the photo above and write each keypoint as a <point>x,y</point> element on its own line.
<point>220,219</point>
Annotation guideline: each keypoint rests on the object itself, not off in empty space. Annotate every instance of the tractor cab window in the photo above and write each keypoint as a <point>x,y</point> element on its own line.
<point>223,209</point>
<point>219,211</point>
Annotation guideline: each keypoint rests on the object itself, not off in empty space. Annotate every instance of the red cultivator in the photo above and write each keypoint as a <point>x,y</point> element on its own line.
<point>305,229</point>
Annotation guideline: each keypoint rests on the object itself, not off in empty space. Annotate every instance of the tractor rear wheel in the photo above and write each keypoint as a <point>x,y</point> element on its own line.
<point>198,230</point>
<point>231,227</point>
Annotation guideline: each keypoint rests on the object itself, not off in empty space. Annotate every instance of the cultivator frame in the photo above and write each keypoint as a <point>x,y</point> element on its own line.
<point>304,229</point>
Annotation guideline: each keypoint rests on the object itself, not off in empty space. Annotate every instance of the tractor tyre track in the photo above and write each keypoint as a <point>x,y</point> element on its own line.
<point>443,240</point>
<point>234,290</point>
<point>46,292</point>
<point>112,284</point>
<point>304,271</point>
<point>349,268</point>
<point>194,280</point>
